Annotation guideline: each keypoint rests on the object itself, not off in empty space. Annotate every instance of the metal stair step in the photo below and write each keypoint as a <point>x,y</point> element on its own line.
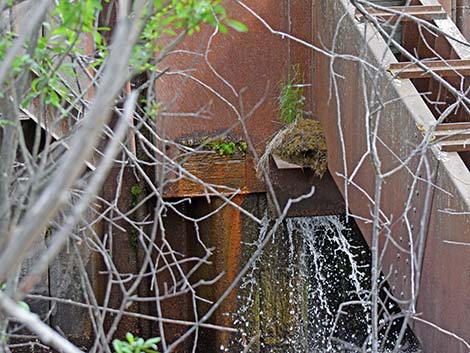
<point>393,13</point>
<point>461,145</point>
<point>453,137</point>
<point>443,68</point>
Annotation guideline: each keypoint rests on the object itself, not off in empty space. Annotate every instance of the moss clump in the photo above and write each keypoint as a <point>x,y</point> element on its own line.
<point>136,191</point>
<point>223,146</point>
<point>301,141</point>
<point>304,143</point>
<point>226,147</point>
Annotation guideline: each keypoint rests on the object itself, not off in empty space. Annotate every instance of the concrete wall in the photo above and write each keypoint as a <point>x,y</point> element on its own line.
<point>443,295</point>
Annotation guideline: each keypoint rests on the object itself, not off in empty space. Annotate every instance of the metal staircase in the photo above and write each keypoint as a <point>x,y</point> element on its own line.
<point>441,58</point>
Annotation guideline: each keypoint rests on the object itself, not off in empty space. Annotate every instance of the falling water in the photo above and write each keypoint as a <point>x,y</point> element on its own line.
<point>334,270</point>
<point>309,290</point>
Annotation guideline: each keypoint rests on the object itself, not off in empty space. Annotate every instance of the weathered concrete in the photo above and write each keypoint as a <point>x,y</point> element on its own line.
<point>66,282</point>
<point>40,307</point>
<point>443,296</point>
<point>462,14</point>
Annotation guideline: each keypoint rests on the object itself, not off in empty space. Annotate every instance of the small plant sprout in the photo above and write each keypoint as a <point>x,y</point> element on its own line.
<point>291,99</point>
<point>136,344</point>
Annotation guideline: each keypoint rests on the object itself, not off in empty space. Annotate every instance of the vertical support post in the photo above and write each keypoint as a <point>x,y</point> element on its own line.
<point>230,234</point>
<point>223,232</point>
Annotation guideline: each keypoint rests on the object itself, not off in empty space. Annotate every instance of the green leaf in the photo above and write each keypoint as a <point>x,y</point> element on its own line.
<point>117,345</point>
<point>130,337</point>
<point>222,28</point>
<point>136,344</point>
<point>236,25</point>
<point>170,32</point>
<point>52,98</point>
<point>152,341</point>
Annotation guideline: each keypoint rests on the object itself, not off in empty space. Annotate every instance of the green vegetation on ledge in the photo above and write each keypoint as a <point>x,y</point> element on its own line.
<point>225,147</point>
<point>301,141</point>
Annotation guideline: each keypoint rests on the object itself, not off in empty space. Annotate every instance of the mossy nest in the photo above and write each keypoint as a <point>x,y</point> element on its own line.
<point>302,143</point>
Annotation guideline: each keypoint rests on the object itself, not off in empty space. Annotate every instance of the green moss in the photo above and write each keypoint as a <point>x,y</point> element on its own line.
<point>304,144</point>
<point>226,146</point>
<point>223,148</point>
<point>242,147</point>
<point>284,304</point>
<point>136,191</point>
<point>134,239</point>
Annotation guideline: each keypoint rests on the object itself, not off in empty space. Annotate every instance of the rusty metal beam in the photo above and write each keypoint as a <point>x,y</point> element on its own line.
<point>444,68</point>
<point>405,13</point>
<point>453,126</point>
<point>230,173</point>
<point>461,144</point>
<point>290,181</point>
<point>225,173</point>
<point>453,137</point>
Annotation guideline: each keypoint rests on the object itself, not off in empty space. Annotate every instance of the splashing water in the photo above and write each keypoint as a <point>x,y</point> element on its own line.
<point>292,295</point>
<point>309,290</point>
<point>335,272</point>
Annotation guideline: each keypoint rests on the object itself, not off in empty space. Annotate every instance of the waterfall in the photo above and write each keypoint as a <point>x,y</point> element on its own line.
<point>334,270</point>
<point>309,291</point>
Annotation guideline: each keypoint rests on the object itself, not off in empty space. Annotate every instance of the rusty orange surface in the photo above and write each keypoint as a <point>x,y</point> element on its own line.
<point>254,64</point>
<point>226,174</point>
<point>216,83</point>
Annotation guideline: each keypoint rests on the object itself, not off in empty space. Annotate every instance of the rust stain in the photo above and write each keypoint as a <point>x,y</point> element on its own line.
<point>89,50</point>
<point>233,222</point>
<point>235,172</point>
<point>232,231</point>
